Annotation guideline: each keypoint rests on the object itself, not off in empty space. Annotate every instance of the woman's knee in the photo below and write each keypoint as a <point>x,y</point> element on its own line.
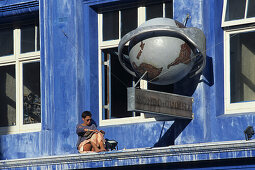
<point>87,147</point>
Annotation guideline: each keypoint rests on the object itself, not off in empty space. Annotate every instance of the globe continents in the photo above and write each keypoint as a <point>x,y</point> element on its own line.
<point>167,59</point>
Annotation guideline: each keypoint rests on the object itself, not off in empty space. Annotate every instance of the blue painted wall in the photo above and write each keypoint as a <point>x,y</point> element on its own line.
<point>69,84</point>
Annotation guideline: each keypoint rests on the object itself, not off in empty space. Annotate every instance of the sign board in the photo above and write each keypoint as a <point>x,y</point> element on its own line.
<point>160,103</point>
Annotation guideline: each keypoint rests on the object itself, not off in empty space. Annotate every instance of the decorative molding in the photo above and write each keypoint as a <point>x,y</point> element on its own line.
<point>19,8</point>
<point>177,153</point>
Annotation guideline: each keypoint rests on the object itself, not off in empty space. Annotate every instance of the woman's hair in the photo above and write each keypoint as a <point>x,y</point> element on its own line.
<point>86,113</point>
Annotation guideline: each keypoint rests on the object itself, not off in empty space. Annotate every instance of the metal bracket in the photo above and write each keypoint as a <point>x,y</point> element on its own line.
<point>140,78</point>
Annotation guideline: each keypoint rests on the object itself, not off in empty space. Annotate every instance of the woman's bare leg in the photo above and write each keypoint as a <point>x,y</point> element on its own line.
<point>87,147</point>
<point>94,147</point>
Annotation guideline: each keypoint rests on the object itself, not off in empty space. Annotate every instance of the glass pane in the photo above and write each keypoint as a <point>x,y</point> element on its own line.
<point>242,59</point>
<point>120,80</point>
<point>251,9</point>
<point>7,96</point>
<point>6,41</point>
<point>154,11</point>
<point>111,25</point>
<point>31,93</point>
<point>115,90</point>
<point>169,9</point>
<point>27,38</point>
<point>38,38</point>
<point>235,10</point>
<point>128,24</point>
<point>106,86</point>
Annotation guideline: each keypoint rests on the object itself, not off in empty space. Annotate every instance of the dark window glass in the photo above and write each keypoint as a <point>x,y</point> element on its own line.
<point>6,41</point>
<point>235,10</point>
<point>110,25</point>
<point>242,59</point>
<point>7,96</point>
<point>27,38</point>
<point>169,9</point>
<point>128,20</point>
<point>251,9</point>
<point>154,11</point>
<point>31,93</point>
<point>38,38</point>
<point>106,80</point>
<point>117,81</point>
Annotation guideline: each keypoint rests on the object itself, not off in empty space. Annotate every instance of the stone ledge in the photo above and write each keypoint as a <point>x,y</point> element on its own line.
<point>177,153</point>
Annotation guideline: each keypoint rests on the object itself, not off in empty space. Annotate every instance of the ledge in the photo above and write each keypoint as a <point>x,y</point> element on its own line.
<point>141,156</point>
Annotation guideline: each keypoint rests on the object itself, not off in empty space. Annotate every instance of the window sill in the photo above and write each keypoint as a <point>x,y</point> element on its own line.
<point>131,120</point>
<point>23,129</point>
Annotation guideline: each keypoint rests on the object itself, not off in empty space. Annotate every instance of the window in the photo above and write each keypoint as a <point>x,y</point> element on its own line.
<point>236,12</point>
<point>113,79</point>
<point>20,97</point>
<point>239,56</point>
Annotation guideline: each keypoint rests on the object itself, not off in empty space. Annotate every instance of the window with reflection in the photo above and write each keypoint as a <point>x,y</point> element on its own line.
<point>239,56</point>
<point>7,95</point>
<point>31,93</point>
<point>242,59</point>
<point>20,78</point>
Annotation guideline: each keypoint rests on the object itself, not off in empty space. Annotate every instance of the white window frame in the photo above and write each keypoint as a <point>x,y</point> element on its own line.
<point>245,20</point>
<point>110,44</point>
<point>18,59</point>
<point>240,107</point>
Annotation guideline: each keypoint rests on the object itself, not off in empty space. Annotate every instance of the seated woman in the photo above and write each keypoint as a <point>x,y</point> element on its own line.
<point>89,138</point>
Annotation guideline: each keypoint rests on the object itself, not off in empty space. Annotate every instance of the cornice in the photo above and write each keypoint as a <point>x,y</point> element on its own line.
<point>19,8</point>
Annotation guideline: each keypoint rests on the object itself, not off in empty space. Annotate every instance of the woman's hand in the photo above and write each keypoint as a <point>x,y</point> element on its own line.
<point>103,132</point>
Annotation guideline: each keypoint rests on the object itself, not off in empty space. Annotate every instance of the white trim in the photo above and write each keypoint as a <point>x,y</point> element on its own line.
<point>100,29</point>
<point>127,120</point>
<point>164,10</point>
<point>246,9</point>
<point>230,108</point>
<point>238,22</point>
<point>224,13</point>
<point>141,15</point>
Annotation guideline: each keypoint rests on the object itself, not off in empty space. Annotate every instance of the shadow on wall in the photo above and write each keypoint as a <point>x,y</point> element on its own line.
<point>187,87</point>
<point>172,133</point>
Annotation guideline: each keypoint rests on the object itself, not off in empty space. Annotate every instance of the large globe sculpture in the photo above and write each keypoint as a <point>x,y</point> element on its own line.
<point>163,51</point>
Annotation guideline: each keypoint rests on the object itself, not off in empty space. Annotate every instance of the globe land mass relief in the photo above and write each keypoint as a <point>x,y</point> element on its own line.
<point>154,72</point>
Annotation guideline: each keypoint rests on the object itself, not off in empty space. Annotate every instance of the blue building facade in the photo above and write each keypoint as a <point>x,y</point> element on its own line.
<point>73,47</point>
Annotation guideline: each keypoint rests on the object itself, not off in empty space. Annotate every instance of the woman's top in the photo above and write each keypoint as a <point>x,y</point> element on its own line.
<point>82,135</point>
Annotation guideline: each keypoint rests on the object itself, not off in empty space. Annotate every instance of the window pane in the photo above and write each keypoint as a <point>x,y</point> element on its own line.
<point>128,24</point>
<point>116,82</point>
<point>7,96</point>
<point>31,93</point>
<point>120,80</point>
<point>242,59</point>
<point>169,9</point>
<point>110,25</point>
<point>6,41</point>
<point>38,38</point>
<point>235,10</point>
<point>154,11</point>
<point>251,9</point>
<point>27,38</point>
